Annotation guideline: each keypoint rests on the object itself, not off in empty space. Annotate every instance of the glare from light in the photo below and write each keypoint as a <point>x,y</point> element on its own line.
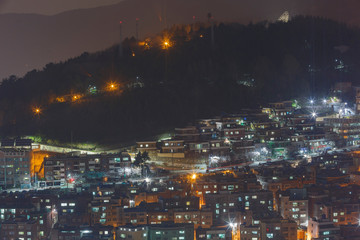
<point>193,176</point>
<point>37,110</point>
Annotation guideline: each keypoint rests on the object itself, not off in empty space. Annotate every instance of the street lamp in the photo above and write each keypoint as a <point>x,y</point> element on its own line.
<point>37,111</point>
<point>193,177</point>
<point>112,86</point>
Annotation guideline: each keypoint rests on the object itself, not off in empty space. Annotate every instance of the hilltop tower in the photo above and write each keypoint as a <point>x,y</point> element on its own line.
<point>285,17</point>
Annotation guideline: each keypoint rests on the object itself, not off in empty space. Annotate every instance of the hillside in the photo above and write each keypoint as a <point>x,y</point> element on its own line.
<point>153,87</point>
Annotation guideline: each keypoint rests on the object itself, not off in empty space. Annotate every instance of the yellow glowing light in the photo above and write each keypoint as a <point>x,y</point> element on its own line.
<point>60,99</point>
<point>166,44</point>
<point>112,86</point>
<point>37,110</point>
<point>76,97</point>
<point>193,176</point>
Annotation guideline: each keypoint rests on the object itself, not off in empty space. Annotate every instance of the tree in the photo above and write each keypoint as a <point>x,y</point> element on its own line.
<point>141,159</point>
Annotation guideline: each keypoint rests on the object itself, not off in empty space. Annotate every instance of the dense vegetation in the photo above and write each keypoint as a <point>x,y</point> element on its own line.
<point>165,86</point>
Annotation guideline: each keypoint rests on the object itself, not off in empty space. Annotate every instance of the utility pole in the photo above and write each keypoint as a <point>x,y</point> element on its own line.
<point>137,29</point>
<point>121,40</point>
<point>211,21</point>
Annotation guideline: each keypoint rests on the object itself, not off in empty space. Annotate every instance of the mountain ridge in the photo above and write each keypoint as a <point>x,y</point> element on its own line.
<point>30,41</point>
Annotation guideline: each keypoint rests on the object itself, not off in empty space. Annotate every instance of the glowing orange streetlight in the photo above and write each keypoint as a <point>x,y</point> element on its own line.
<point>75,98</point>
<point>37,110</point>
<point>193,177</point>
<point>166,44</point>
<point>111,86</point>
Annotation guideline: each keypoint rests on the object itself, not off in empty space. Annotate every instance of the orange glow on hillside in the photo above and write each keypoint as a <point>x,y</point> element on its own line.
<point>166,43</point>
<point>76,97</point>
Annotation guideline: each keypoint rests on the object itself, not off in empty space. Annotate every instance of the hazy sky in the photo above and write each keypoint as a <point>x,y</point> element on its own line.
<point>49,7</point>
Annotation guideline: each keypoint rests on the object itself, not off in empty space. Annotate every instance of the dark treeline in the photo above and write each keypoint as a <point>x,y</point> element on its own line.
<point>163,87</point>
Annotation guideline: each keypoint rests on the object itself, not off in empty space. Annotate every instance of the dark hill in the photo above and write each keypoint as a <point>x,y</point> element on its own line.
<point>157,88</point>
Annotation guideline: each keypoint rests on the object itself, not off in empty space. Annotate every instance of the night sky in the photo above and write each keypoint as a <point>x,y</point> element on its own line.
<point>49,7</point>
<point>30,41</point>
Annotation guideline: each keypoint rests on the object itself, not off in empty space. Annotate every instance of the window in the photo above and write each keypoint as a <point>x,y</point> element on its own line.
<point>222,235</point>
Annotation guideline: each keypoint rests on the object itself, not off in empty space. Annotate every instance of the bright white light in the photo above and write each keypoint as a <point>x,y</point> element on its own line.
<point>313,114</point>
<point>264,149</point>
<point>324,101</point>
<point>147,180</point>
<point>214,159</point>
<point>311,101</point>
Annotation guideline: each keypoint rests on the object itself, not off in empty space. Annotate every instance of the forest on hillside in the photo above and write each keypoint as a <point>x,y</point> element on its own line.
<point>144,87</point>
